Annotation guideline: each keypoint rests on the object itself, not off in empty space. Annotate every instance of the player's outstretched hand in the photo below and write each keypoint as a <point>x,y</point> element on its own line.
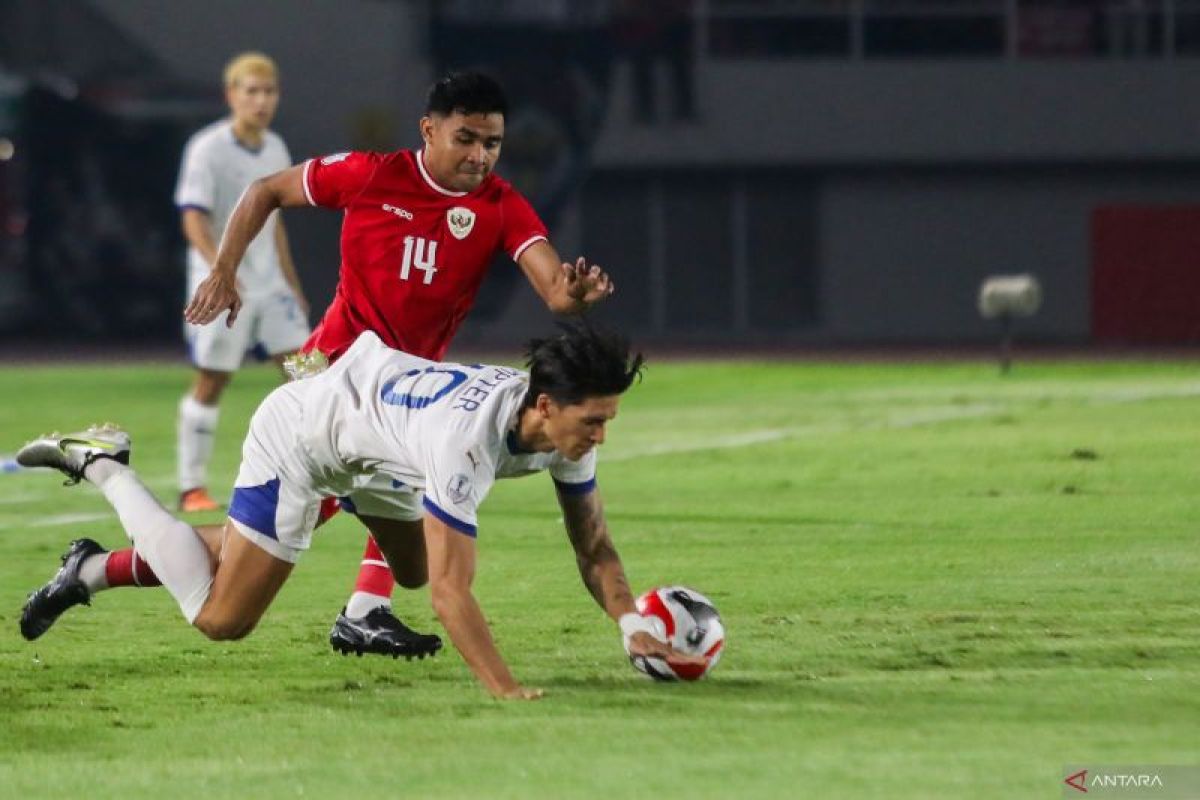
<point>587,283</point>
<point>644,644</point>
<point>521,693</point>
<point>215,293</point>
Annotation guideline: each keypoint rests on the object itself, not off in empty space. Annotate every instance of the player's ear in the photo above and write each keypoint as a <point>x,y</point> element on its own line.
<point>426,128</point>
<point>543,404</point>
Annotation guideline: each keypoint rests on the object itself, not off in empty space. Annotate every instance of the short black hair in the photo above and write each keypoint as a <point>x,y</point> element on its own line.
<point>467,93</point>
<point>582,361</point>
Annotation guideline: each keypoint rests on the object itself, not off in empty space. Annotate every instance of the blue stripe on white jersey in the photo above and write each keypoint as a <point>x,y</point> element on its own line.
<point>449,519</point>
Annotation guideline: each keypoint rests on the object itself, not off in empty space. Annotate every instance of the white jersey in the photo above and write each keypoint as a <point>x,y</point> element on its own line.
<point>216,170</point>
<point>444,428</point>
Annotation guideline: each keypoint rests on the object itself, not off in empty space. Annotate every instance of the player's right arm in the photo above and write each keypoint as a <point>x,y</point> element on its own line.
<point>604,576</point>
<point>195,193</point>
<point>217,292</point>
<point>451,555</point>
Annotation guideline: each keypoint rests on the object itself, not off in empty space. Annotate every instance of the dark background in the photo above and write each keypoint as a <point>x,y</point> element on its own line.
<point>753,173</point>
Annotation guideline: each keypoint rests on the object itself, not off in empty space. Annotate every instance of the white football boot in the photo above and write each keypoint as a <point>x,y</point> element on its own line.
<point>70,454</point>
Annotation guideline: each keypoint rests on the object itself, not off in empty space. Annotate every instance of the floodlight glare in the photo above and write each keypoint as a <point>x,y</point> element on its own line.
<point>1003,297</point>
<point>1013,295</point>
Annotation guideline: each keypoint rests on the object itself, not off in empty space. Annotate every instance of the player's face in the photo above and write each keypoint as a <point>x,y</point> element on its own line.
<point>253,100</point>
<point>576,428</point>
<point>461,149</point>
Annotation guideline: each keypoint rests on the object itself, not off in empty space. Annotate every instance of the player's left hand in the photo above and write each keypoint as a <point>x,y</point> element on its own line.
<point>215,293</point>
<point>587,283</point>
<point>647,636</point>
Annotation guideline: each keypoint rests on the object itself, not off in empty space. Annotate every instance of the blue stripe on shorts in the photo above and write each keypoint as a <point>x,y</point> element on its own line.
<point>255,507</point>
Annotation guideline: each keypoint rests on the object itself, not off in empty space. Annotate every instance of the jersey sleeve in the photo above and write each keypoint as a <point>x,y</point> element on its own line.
<point>334,181</point>
<point>522,226</point>
<point>197,184</point>
<point>575,477</point>
<point>457,479</point>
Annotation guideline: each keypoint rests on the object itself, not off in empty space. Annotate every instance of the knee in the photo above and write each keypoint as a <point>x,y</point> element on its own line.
<point>223,630</point>
<point>412,578</point>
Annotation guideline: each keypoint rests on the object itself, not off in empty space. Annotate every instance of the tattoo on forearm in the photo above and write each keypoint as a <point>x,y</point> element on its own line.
<point>599,564</point>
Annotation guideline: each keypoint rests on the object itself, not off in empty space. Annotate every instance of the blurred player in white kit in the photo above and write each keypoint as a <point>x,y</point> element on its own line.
<point>219,162</point>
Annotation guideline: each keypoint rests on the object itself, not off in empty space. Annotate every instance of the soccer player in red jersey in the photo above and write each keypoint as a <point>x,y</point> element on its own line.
<point>418,232</point>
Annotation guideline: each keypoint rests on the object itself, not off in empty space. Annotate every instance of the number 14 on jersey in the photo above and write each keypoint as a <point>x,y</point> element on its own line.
<point>421,254</point>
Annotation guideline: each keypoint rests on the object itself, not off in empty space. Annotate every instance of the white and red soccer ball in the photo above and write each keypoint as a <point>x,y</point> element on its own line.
<point>692,626</point>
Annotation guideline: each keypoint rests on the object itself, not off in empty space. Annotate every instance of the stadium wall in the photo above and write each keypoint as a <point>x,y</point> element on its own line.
<point>914,181</point>
<point>875,195</point>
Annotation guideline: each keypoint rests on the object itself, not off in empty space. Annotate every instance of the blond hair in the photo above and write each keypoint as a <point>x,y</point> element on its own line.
<point>247,64</point>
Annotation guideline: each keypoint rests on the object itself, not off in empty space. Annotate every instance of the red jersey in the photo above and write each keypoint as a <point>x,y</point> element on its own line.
<point>413,252</point>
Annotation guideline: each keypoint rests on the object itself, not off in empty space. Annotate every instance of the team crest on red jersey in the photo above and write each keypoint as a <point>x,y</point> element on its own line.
<point>461,221</point>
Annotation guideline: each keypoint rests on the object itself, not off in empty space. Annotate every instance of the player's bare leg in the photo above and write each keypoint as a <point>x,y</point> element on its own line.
<point>177,553</point>
<point>196,433</point>
<point>244,585</point>
<point>403,545</point>
<point>375,629</point>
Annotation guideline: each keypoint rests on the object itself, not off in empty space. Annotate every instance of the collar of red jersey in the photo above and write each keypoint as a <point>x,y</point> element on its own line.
<point>437,187</point>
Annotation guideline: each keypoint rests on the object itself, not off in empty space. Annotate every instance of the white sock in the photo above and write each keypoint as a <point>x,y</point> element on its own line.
<point>363,603</point>
<point>100,471</point>
<point>172,548</point>
<point>92,573</point>
<point>196,432</point>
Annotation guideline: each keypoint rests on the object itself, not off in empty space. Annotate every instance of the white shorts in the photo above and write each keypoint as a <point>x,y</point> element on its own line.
<point>270,324</point>
<point>276,503</point>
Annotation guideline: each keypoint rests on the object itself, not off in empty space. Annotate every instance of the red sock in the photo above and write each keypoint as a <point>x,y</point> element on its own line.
<point>126,568</point>
<point>374,575</point>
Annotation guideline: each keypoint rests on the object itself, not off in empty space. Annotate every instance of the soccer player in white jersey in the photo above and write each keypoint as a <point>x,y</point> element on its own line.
<point>219,162</point>
<point>412,447</point>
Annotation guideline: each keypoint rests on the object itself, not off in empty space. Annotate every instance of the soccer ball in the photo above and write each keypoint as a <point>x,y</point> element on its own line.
<point>693,626</point>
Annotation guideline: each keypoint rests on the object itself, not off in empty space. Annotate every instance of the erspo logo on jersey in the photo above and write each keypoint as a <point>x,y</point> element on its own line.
<point>333,159</point>
<point>399,212</point>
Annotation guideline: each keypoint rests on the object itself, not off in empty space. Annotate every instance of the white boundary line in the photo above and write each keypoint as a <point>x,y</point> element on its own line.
<point>916,417</point>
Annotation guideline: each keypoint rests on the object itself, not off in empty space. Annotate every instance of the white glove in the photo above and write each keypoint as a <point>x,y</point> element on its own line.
<point>632,623</point>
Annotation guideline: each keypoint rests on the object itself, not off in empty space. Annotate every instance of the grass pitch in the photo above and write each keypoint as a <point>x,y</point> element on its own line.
<point>937,582</point>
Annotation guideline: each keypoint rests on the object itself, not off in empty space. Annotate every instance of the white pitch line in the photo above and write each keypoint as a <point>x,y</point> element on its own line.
<point>934,416</point>
<point>926,416</point>
<point>24,498</point>
<point>916,417</point>
<point>718,442</point>
<point>1136,394</point>
<point>1096,392</point>
<point>66,519</point>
